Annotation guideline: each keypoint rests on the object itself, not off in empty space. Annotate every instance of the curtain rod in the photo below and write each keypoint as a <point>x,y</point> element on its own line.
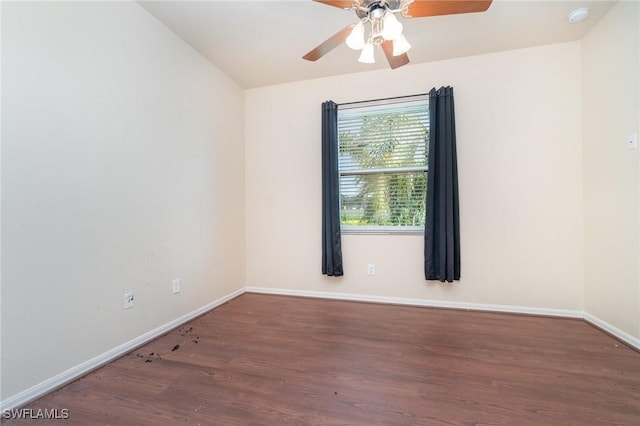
<point>383,99</point>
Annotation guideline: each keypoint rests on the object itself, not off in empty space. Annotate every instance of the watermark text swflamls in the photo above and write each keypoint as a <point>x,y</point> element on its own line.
<point>35,414</point>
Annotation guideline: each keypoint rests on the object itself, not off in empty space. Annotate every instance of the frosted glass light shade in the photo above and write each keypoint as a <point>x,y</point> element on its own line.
<point>356,39</point>
<point>366,57</point>
<point>400,45</point>
<point>391,27</point>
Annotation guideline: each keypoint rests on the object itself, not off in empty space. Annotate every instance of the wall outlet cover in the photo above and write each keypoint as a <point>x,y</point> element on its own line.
<point>371,269</point>
<point>128,300</point>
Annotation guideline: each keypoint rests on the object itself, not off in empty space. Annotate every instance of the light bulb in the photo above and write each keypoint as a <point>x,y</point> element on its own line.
<point>400,45</point>
<point>366,57</point>
<point>356,38</point>
<point>392,28</point>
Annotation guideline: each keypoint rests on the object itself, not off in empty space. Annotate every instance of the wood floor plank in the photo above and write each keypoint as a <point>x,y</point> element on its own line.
<point>264,359</point>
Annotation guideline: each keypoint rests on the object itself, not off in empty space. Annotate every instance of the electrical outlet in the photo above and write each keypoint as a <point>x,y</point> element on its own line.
<point>175,287</point>
<point>371,269</point>
<point>128,300</point>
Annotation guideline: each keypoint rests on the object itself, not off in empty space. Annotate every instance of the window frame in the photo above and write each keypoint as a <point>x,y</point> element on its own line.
<point>382,229</point>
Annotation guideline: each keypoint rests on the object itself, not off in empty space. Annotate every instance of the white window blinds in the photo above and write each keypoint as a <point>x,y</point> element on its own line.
<point>383,164</point>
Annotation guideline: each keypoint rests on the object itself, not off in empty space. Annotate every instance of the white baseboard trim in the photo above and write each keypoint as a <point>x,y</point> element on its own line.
<point>419,302</point>
<point>86,367</point>
<point>565,313</point>
<point>614,331</point>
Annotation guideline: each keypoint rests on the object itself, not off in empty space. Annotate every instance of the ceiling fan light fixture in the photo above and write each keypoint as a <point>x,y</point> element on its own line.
<point>367,57</point>
<point>356,39</point>
<point>392,28</point>
<point>400,45</point>
<point>378,16</point>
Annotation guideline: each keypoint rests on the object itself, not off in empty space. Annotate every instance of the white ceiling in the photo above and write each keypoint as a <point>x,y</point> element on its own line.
<point>260,43</point>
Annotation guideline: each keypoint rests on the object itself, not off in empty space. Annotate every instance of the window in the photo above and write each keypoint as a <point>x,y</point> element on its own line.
<point>383,165</point>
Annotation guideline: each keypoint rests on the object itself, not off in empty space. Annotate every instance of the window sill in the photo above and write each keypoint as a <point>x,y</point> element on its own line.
<point>381,230</point>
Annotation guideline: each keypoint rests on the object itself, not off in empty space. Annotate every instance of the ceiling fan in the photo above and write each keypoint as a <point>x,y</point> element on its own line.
<point>386,30</point>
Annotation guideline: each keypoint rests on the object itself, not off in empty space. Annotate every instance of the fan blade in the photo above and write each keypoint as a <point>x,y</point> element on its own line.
<point>329,44</point>
<point>421,8</point>
<point>394,61</point>
<point>342,4</point>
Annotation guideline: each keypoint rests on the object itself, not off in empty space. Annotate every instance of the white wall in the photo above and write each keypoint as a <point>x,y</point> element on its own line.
<point>122,168</point>
<point>611,111</point>
<point>518,117</point>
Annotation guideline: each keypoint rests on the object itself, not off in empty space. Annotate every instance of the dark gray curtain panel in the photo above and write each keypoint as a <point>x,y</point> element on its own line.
<point>442,222</point>
<point>331,242</point>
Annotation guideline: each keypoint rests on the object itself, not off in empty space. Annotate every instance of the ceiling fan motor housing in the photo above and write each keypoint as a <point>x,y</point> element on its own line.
<point>364,8</point>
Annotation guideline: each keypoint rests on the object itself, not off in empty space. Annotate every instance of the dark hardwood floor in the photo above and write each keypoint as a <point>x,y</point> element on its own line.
<point>268,360</point>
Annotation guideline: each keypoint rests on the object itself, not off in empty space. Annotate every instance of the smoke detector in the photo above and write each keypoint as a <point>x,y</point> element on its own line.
<point>578,15</point>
